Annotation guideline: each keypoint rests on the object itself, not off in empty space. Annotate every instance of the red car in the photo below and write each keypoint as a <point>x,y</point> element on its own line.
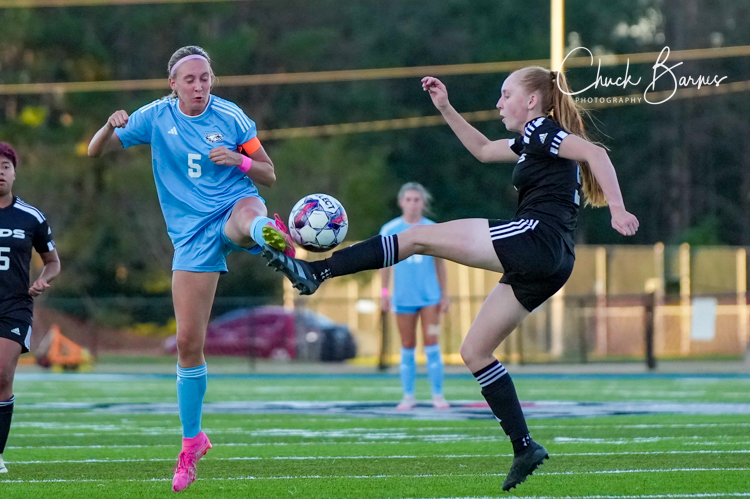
<point>273,332</point>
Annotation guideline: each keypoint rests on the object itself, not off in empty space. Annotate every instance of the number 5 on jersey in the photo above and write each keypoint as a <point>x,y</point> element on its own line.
<point>4,260</point>
<point>194,168</point>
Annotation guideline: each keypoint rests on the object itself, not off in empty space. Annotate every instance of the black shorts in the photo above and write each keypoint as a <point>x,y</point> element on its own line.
<point>536,260</point>
<point>18,330</point>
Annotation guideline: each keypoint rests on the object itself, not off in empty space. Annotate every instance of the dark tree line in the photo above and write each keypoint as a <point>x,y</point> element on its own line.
<point>683,165</point>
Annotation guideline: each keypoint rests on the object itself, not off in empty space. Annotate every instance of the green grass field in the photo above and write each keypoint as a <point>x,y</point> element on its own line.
<point>98,451</point>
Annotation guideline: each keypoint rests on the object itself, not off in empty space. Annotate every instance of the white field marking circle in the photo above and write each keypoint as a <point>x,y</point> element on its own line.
<point>18,419</point>
<point>460,410</point>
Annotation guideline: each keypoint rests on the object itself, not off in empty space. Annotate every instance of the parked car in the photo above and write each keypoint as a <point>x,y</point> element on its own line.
<point>274,332</point>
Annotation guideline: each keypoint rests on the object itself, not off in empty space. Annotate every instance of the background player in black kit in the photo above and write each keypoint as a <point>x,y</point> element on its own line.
<point>555,165</point>
<point>21,227</point>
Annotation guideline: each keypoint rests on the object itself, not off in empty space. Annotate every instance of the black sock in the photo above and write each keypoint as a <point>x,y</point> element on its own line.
<point>500,393</point>
<point>6,413</point>
<point>374,253</point>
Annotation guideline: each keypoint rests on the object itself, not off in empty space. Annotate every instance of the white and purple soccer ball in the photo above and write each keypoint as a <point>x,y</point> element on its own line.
<point>318,222</point>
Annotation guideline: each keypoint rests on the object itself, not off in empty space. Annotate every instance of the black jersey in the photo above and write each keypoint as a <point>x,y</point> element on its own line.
<point>549,187</point>
<point>21,227</point>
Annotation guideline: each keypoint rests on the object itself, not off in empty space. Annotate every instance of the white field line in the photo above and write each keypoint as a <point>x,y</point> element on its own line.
<point>639,440</point>
<point>448,475</point>
<point>127,424</point>
<point>430,456</point>
<point>19,421</point>
<point>392,439</point>
<point>727,441</point>
<point>364,440</point>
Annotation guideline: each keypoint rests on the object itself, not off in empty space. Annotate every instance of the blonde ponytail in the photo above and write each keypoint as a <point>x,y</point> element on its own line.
<point>568,114</point>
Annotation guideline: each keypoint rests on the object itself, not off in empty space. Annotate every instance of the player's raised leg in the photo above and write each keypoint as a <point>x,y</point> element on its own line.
<point>193,295</point>
<point>9,353</point>
<point>249,225</point>
<point>500,314</point>
<point>464,241</point>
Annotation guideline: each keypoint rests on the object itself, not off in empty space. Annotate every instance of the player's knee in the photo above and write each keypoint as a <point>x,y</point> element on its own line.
<point>189,346</point>
<point>248,213</point>
<point>6,384</point>
<point>408,343</point>
<point>414,240</point>
<point>432,335</point>
<point>467,353</point>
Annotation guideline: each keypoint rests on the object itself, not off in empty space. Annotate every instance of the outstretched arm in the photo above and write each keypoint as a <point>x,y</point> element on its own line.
<point>484,149</point>
<point>106,140</point>
<point>578,149</point>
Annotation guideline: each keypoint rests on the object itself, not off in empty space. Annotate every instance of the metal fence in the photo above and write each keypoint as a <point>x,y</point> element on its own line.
<point>684,302</point>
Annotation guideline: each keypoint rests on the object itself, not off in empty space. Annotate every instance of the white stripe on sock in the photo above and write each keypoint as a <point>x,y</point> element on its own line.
<point>493,379</point>
<point>389,251</point>
<point>499,368</point>
<point>192,372</point>
<point>385,252</point>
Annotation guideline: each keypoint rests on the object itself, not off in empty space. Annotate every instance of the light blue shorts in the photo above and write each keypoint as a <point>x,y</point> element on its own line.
<point>400,309</point>
<point>207,249</point>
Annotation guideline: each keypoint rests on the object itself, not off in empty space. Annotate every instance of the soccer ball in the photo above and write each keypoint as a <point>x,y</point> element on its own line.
<point>318,222</point>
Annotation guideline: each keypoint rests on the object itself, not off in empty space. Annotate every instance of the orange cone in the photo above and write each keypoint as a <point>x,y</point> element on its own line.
<point>57,351</point>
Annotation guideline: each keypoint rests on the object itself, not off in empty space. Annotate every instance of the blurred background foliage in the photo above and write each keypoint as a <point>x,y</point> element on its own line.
<point>683,165</point>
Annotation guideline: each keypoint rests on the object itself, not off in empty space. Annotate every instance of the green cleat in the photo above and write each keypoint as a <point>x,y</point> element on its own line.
<point>276,235</point>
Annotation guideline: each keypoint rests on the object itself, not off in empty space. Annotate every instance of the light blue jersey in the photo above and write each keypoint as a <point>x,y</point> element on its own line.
<point>415,282</point>
<point>193,191</point>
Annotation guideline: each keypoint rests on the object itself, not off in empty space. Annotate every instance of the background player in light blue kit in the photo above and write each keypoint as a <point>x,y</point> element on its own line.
<point>206,161</point>
<point>419,291</point>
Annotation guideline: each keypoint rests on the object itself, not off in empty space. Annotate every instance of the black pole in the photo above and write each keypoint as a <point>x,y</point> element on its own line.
<point>383,363</point>
<point>650,305</point>
<point>583,332</point>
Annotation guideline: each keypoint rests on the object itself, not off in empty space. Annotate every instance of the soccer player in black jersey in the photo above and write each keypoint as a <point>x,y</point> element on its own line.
<point>21,227</point>
<point>556,167</point>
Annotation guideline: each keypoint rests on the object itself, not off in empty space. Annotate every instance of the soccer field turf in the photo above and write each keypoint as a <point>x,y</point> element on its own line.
<point>98,446</point>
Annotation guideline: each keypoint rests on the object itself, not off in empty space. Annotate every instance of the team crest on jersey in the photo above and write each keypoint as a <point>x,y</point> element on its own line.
<point>214,137</point>
<point>542,137</point>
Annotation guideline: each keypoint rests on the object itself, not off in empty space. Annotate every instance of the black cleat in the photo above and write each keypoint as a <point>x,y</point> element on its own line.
<point>297,271</point>
<point>524,465</point>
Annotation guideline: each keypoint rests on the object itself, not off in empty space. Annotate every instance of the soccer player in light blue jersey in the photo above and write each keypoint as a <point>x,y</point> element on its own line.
<point>206,161</point>
<point>419,291</point>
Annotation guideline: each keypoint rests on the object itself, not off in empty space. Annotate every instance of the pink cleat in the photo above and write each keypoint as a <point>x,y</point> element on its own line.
<point>186,468</point>
<point>439,402</point>
<point>277,236</point>
<point>407,403</point>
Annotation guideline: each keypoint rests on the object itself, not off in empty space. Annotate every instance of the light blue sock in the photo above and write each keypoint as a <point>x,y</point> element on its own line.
<point>408,370</point>
<point>434,368</point>
<point>256,229</point>
<point>191,387</point>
